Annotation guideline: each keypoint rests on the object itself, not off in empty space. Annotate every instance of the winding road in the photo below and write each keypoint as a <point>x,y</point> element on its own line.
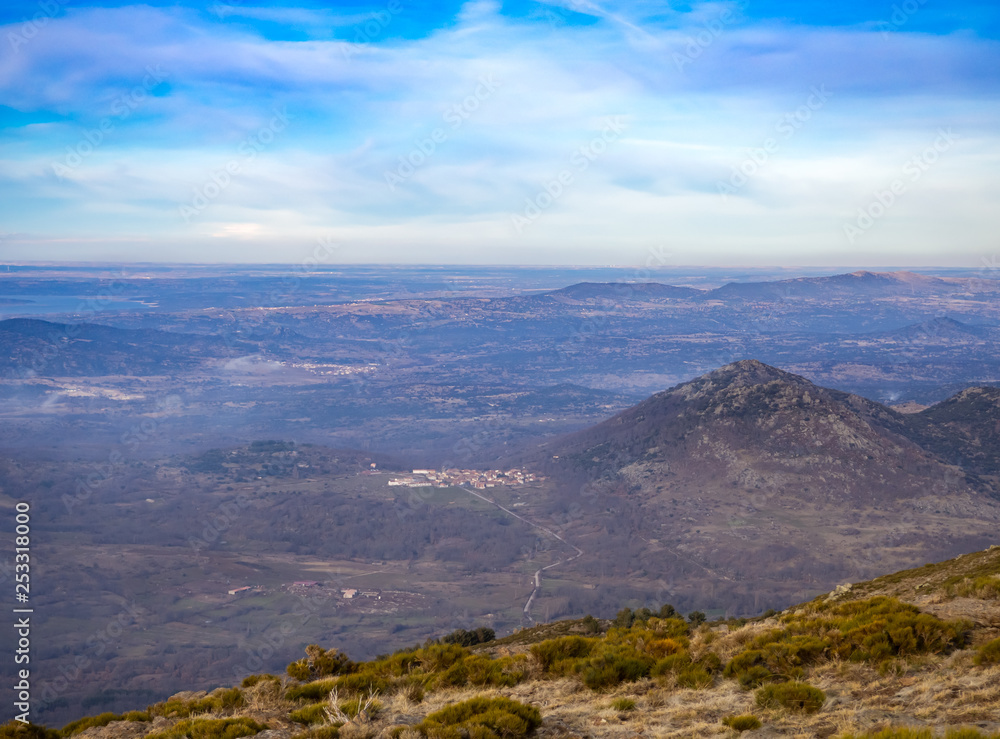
<point>538,572</point>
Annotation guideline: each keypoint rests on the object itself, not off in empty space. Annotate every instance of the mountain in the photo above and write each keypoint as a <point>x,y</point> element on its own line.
<point>856,284</point>
<point>940,329</point>
<point>965,430</point>
<point>760,481</point>
<point>752,427</point>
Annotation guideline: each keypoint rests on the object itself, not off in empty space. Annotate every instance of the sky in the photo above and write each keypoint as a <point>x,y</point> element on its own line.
<point>752,132</point>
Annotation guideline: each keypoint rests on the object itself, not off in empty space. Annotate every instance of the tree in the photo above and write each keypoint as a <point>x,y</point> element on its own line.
<point>668,611</point>
<point>697,618</point>
<point>625,618</point>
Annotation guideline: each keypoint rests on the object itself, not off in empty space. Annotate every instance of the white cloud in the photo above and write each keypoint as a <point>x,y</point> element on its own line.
<point>357,110</point>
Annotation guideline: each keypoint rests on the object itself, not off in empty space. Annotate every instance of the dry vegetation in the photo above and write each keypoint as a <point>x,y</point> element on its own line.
<point>864,661</point>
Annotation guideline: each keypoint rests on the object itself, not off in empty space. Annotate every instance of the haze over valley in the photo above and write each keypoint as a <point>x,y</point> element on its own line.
<point>371,463</point>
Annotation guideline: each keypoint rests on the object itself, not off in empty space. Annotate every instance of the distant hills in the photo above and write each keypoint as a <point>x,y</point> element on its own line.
<point>31,347</point>
<point>624,291</point>
<point>855,284</point>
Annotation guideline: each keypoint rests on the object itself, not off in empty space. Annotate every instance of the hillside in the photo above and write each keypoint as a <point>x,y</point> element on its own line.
<point>750,474</point>
<point>765,429</point>
<point>34,348</point>
<point>916,649</point>
<point>624,291</point>
<point>855,284</point>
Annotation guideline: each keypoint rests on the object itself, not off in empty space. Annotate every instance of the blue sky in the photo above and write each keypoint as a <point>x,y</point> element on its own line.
<point>574,132</point>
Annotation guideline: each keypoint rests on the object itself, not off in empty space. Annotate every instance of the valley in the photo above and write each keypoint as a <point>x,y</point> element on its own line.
<point>297,453</point>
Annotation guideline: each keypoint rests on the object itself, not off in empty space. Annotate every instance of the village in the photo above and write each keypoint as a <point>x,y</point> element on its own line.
<point>306,585</point>
<point>475,478</point>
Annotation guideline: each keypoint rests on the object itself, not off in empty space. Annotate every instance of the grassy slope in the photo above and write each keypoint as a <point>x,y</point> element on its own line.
<point>934,688</point>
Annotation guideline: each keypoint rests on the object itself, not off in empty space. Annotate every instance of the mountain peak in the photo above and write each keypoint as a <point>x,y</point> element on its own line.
<point>754,369</point>
<point>747,372</point>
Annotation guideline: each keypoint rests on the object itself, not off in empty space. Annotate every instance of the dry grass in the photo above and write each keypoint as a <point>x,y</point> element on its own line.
<point>930,690</point>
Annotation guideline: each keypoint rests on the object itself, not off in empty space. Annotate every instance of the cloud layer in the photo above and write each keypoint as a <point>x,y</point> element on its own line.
<point>555,133</point>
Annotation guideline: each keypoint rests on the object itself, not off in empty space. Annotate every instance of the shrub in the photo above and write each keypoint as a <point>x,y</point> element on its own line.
<point>226,700</point>
<point>756,676</point>
<point>696,618</point>
<point>464,638</point>
<point>793,696</point>
<point>591,625</point>
<point>222,728</point>
<point>676,628</point>
<point>220,701</point>
<point>984,587</point>
<point>744,722</point>
<point>988,654</point>
<point>250,680</point>
<point>612,665</point>
<point>503,672</point>
<point>413,691</point>
<point>694,677</point>
<point>623,704</point>
<point>672,664</point>
<point>16,730</point>
<point>875,631</point>
<point>82,724</point>
<point>320,663</point>
<point>311,714</point>
<point>314,691</point>
<point>553,653</point>
<point>439,657</point>
<point>361,682</point>
<point>483,718</point>
<point>353,708</point>
<point>710,662</point>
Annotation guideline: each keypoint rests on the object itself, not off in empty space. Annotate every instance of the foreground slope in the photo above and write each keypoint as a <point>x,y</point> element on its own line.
<point>899,651</point>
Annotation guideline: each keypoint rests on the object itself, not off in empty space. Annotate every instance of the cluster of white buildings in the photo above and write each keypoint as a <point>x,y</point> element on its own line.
<point>473,478</point>
<point>352,593</point>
